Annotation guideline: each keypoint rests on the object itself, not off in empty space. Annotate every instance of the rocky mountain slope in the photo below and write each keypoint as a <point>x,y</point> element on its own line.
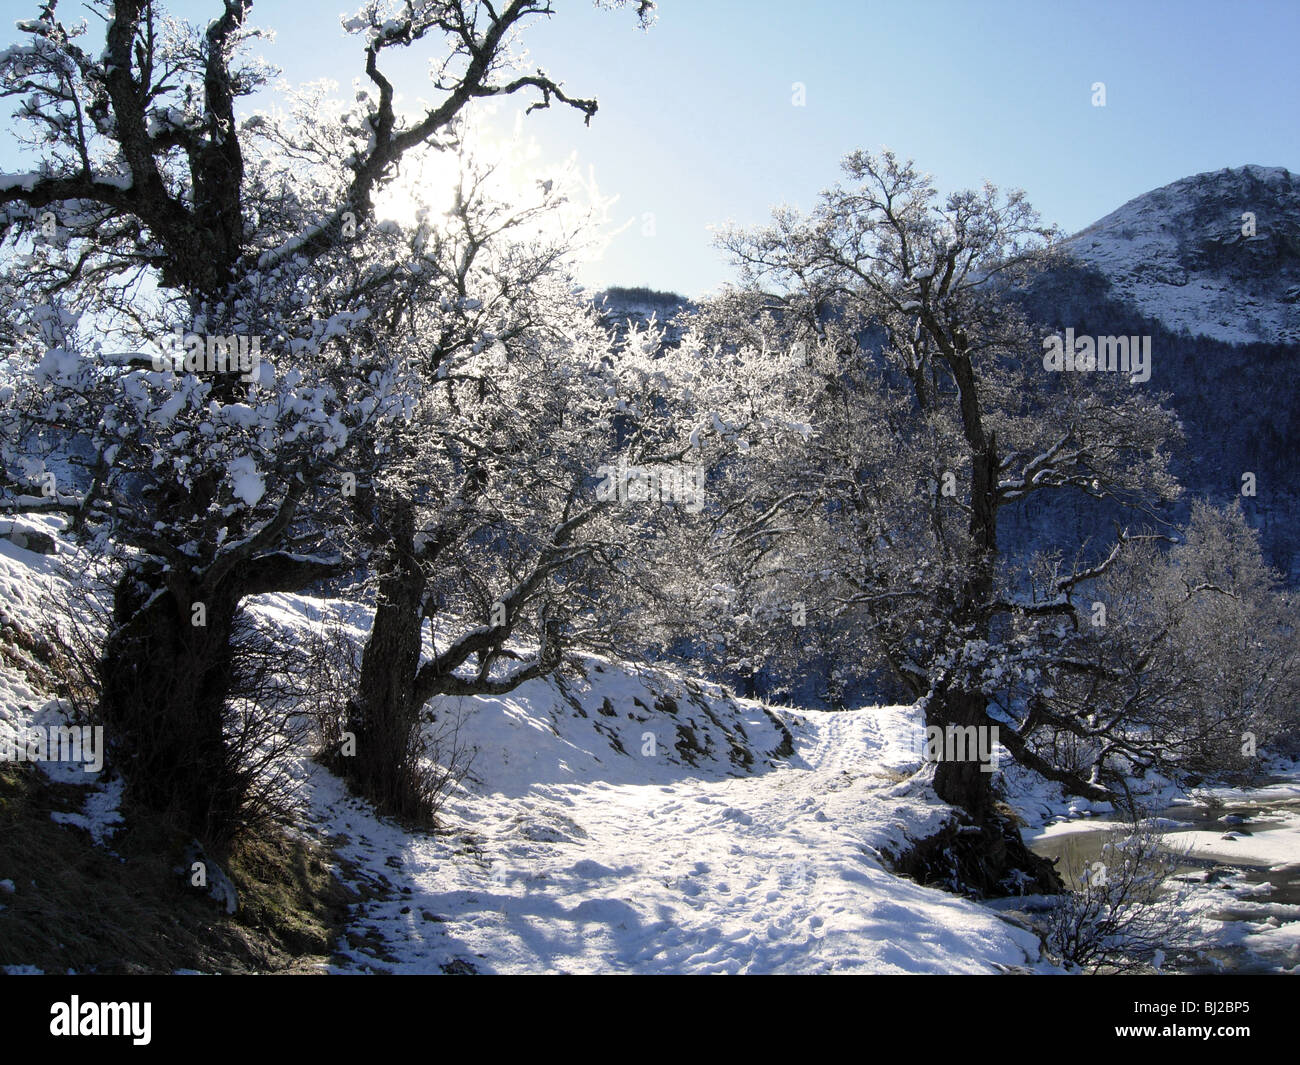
<point>1217,254</point>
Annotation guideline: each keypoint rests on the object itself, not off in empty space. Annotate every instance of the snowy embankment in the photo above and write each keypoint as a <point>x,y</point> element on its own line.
<point>631,821</point>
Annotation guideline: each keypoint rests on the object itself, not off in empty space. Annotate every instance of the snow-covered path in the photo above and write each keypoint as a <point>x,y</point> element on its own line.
<point>774,872</point>
<point>627,819</point>
<point>577,846</point>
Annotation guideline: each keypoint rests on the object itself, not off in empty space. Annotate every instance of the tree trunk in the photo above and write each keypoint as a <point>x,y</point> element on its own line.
<point>165,682</point>
<point>962,783</point>
<point>982,852</point>
<point>384,714</point>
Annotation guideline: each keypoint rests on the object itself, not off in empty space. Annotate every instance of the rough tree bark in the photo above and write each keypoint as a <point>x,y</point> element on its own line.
<point>384,715</point>
<point>165,683</point>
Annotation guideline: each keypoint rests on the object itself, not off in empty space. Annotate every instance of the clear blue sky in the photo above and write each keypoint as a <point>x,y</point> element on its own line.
<point>697,124</point>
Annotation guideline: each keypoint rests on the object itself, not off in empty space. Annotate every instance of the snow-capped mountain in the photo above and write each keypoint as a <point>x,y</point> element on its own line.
<point>1217,254</point>
<point>1222,309</point>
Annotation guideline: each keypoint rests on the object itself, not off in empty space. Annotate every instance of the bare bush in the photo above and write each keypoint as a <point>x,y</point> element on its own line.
<point>441,757</point>
<point>435,758</point>
<point>331,664</point>
<point>1119,916</point>
<point>264,728</point>
<point>75,616</point>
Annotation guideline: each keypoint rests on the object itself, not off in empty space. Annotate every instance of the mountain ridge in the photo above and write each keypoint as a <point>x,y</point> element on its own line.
<point>1216,254</point>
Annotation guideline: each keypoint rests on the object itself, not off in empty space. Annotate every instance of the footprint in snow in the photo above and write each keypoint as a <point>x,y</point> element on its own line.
<point>590,870</point>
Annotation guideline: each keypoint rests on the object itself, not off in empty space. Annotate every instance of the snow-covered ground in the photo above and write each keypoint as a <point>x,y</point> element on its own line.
<point>682,871</point>
<point>632,820</point>
<point>627,822</point>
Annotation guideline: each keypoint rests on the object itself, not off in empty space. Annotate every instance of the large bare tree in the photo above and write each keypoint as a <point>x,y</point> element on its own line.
<point>935,415</point>
<point>155,206</point>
